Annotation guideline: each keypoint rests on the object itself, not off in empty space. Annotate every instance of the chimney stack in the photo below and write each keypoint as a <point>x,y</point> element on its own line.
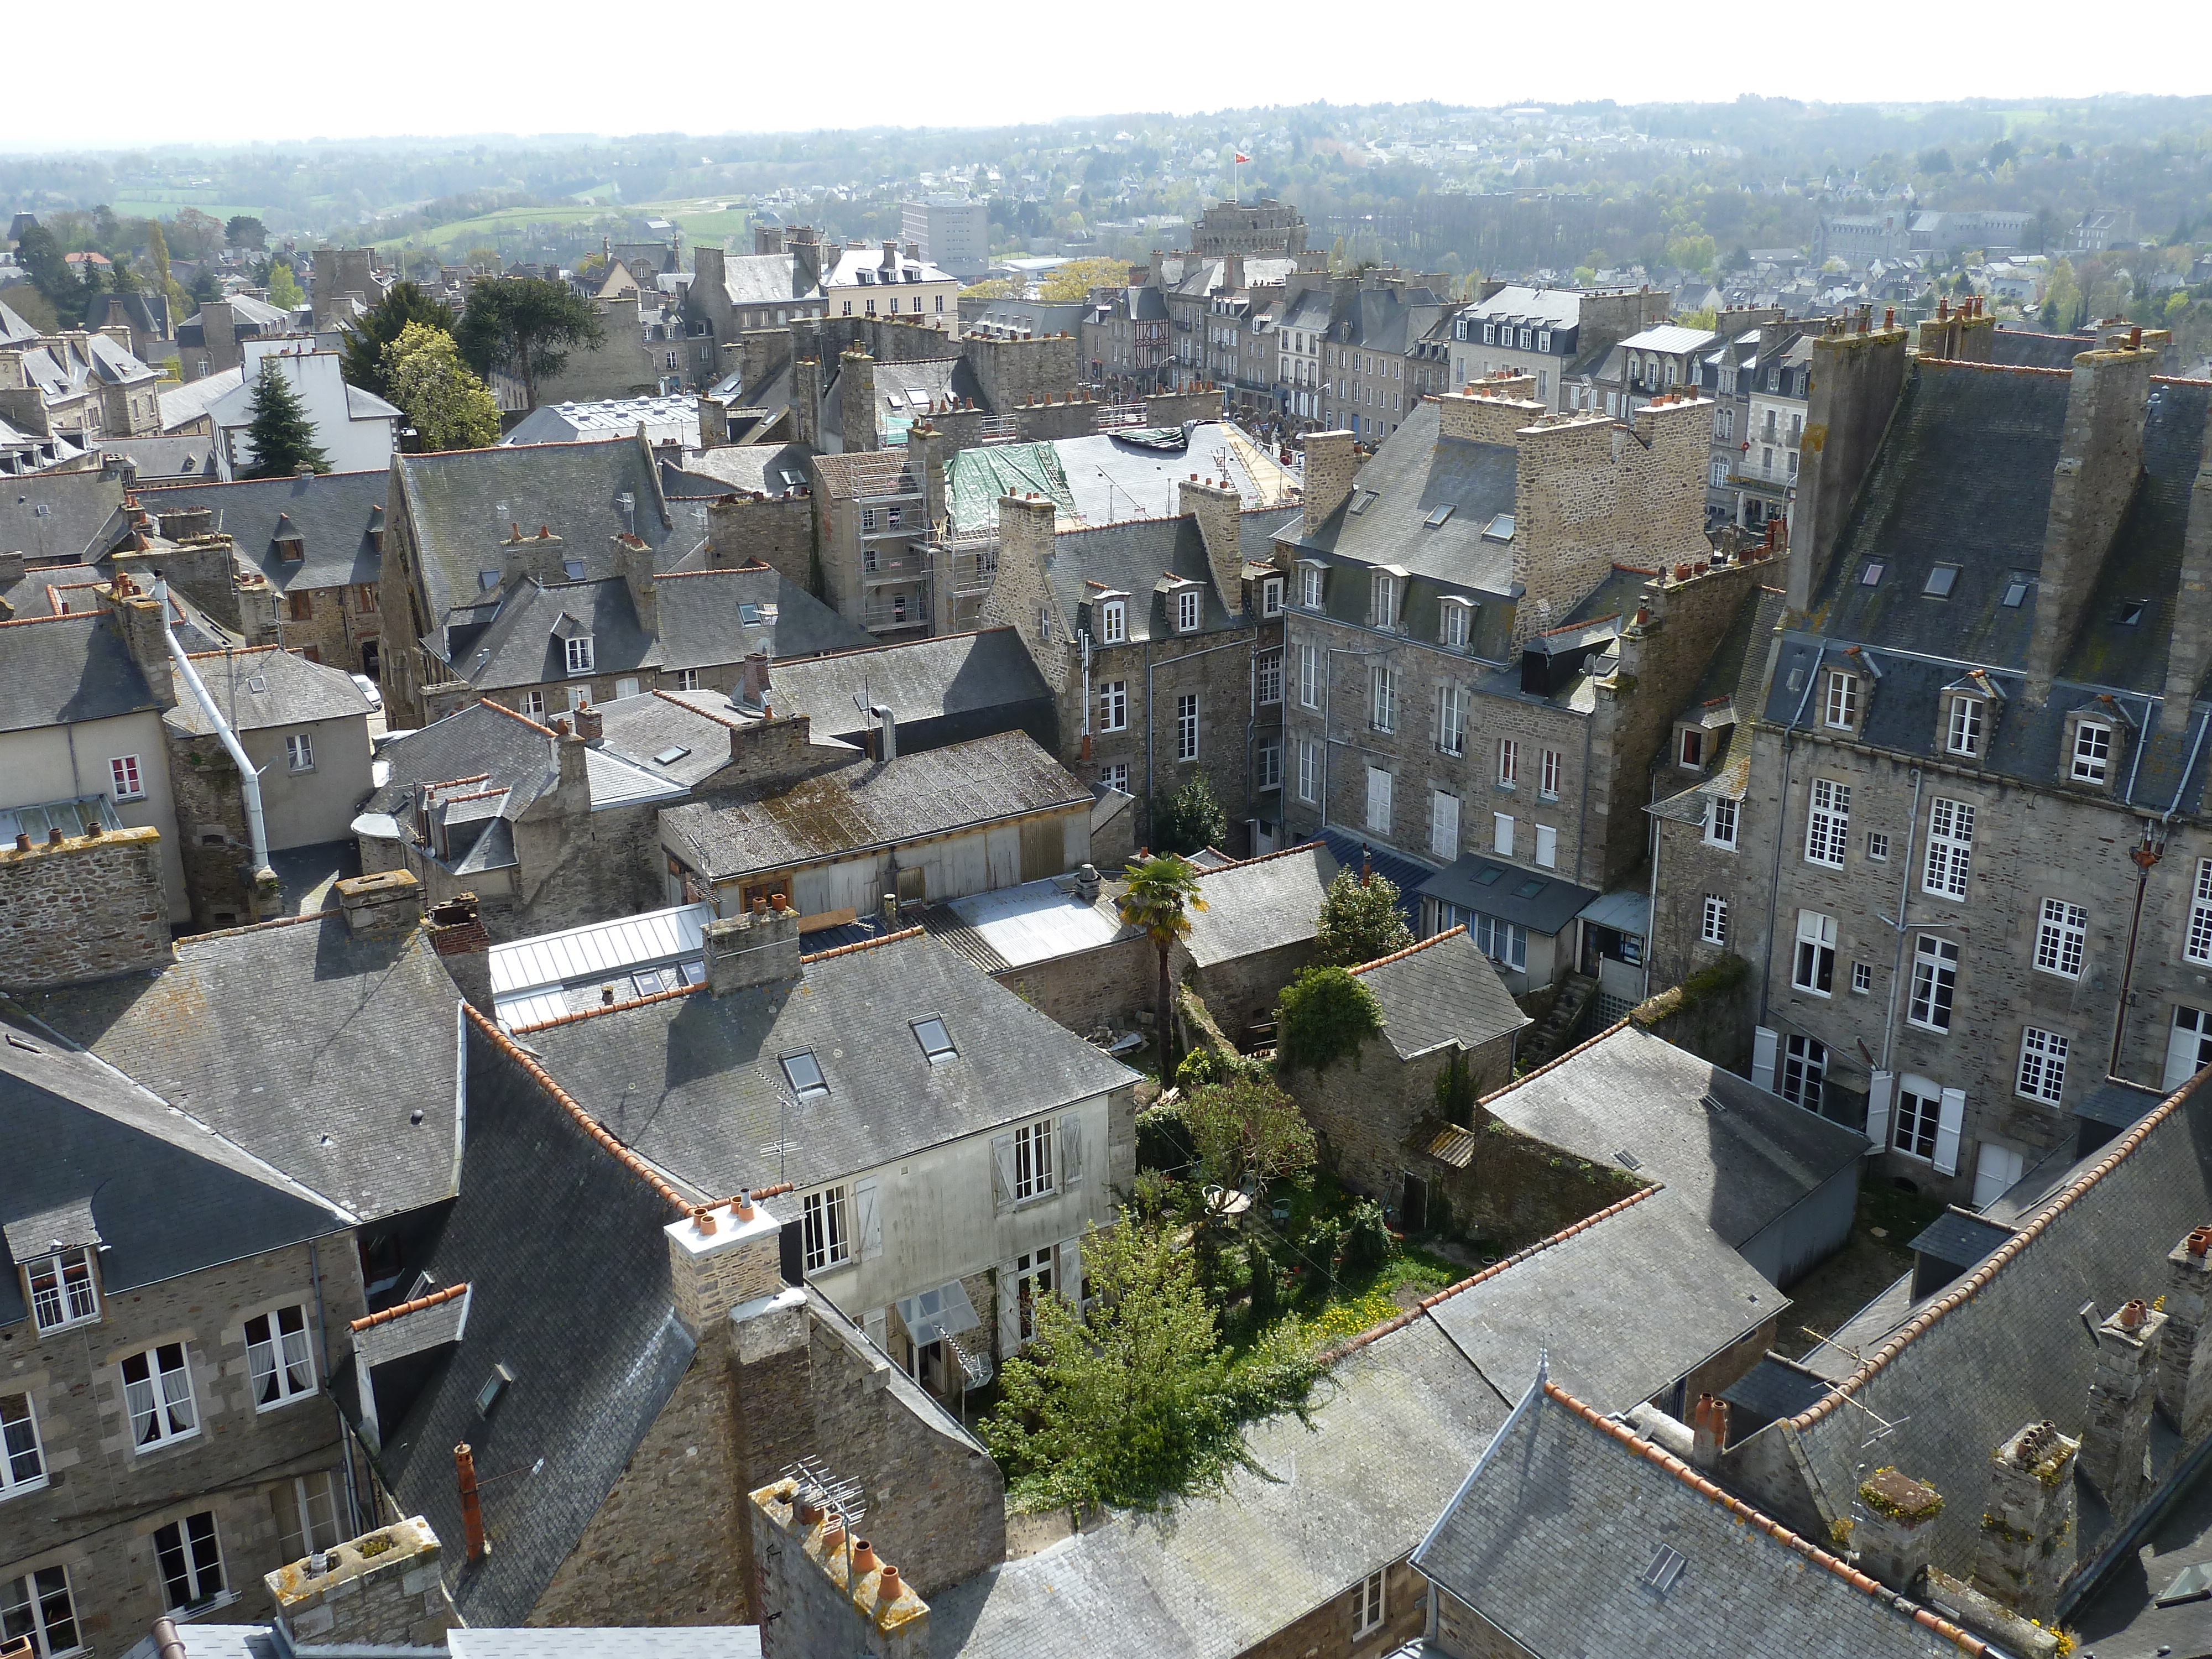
<point>725,1260</point>
<point>1708,1425</point>
<point>381,906</point>
<point>1331,463</point>
<point>458,935</point>
<point>1219,511</point>
<point>1892,1536</point>
<point>759,948</point>
<point>136,618</point>
<point>2027,1540</point>
<point>2120,1400</point>
<point>634,558</point>
<point>2185,1366</point>
<point>754,686</point>
<point>385,1589</point>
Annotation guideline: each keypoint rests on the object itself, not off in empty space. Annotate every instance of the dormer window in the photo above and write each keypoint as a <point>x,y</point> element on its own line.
<point>580,654</point>
<point>1690,751</point>
<point>1186,610</point>
<point>1114,622</point>
<point>64,1291</point>
<point>1543,339</point>
<point>1964,731</point>
<point>1843,701</point>
<point>291,549</point>
<point>1271,596</point>
<point>1490,334</point>
<point>1310,585</point>
<point>1383,600</point>
<point>1455,623</point>
<point>2092,753</point>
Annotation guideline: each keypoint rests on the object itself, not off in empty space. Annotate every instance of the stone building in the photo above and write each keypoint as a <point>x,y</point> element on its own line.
<point>1982,708</point>
<point>1549,335</point>
<point>212,340</point>
<point>1376,325</point>
<point>1484,625</point>
<point>88,385</point>
<point>1254,936</point>
<point>1125,338</point>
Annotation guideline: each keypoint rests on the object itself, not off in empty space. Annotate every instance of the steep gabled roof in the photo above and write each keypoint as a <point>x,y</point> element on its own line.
<point>66,670</point>
<point>332,516</point>
<point>1443,990</point>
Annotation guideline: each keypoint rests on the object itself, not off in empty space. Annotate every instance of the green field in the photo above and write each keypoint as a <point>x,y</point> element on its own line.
<point>698,217</point>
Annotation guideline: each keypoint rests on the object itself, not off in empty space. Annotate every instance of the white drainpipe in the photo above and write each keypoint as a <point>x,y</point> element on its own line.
<point>249,779</point>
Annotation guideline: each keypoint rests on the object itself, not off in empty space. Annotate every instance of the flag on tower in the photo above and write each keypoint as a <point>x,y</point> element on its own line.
<point>1241,156</point>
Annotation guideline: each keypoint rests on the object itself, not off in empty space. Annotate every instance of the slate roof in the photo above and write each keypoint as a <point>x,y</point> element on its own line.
<point>1539,900</point>
<point>764,279</point>
<point>1259,904</point>
<point>2030,349</point>
<point>1442,990</point>
<point>871,805</point>
<point>266,686</point>
<point>461,502</point>
<point>691,1082</point>
<point>1145,559</point>
<point>77,505</point>
<point>662,1641</point>
<point>196,398</point>
<point>921,679</point>
<point>525,643</point>
<point>332,514</point>
<point>760,467</point>
<point>158,1192</point>
<point>576,1411</point>
<point>65,670</point>
<point>2002,1346</point>
<point>651,724</point>
<point>700,622</point>
<point>476,738</point>
<point>308,1047</point>
<point>1561,1499</point>
<point>1741,1167</point>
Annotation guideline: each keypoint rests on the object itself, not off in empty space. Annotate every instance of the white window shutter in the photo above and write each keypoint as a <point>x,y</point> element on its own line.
<point>1764,1043</point>
<point>1501,838</point>
<point>1548,847</point>
<point>1002,1171</point>
<point>1070,1272</point>
<point>1070,1131</point>
<point>868,1220</point>
<point>1881,1095</point>
<point>1010,1313</point>
<point>1947,1130</point>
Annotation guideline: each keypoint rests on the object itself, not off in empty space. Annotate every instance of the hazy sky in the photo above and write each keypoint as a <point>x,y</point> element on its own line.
<point>560,66</point>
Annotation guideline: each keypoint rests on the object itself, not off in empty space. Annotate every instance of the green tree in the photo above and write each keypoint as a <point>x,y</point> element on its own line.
<point>1359,921</point>
<point>1326,1014</point>
<point>994,288</point>
<point>1456,1094</point>
<point>1136,1402</point>
<point>1075,279</point>
<point>1161,894</point>
<point>25,300</point>
<point>1936,161</point>
<point>367,338</point>
<point>284,290</point>
<point>1247,1129</point>
<point>2062,298</point>
<point>194,236</point>
<point>244,230</point>
<point>448,407</point>
<point>283,437</point>
<point>526,326</point>
<point>1191,818</point>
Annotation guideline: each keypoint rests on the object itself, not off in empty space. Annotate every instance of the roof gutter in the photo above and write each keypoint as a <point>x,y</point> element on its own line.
<point>249,779</point>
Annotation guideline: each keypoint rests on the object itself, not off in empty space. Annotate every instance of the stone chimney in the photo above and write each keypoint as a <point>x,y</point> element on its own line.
<point>755,687</point>
<point>2191,654</point>
<point>1022,592</point>
<point>758,948</point>
<point>714,423</point>
<point>2099,458</point>
<point>458,935</point>
<point>1709,1425</point>
<point>137,620</point>
<point>723,1258</point>
<point>1493,413</point>
<point>806,251</point>
<point>385,1589</point>
<point>2185,1363</point>
<point>538,555</point>
<point>2027,1537</point>
<point>824,1591</point>
<point>1219,511</point>
<point>634,558</point>
<point>771,752</point>
<point>2120,1399</point>
<point>591,725</point>
<point>574,791</point>
<point>1892,1537</point>
<point>1856,381</point>
<point>1331,463</point>
<point>856,399</point>
<point>806,399</point>
<point>178,523</point>
<point>381,906</point>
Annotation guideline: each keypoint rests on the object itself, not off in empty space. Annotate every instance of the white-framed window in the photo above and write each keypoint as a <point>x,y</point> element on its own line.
<point>38,1605</point>
<point>580,654</point>
<point>1382,698</point>
<point>1113,706</point>
<point>1114,622</point>
<point>1271,677</point>
<point>157,1393</point>
<point>1186,726</point>
<point>1843,703</point>
<point>1862,978</point>
<point>1691,753</point>
<point>1035,1173</point>
<point>1962,732</point>
<point>1270,755</point>
<point>1828,823</point>
<point>123,780</point>
<point>1950,847</point>
<point>1444,825</point>
<point>533,704</point>
<point>1186,610</point>
<point>1271,596</point>
<point>687,679</point>
<point>1309,587</point>
<point>190,1558</point>
<point>307,1509</point>
<point>64,1289</point>
<point>2093,752</point>
<point>278,1357</point>
<point>1367,1609</point>
<point>1720,822</point>
<point>2199,947</point>
<point>825,1228</point>
<point>1935,982</point>
<point>1804,1068</point>
<point>1815,963</point>
<point>1385,600</point>
<point>1451,718</point>
<point>2042,1065</point>
<point>1379,785</point>
<point>1504,942</point>
<point>1713,929</point>
<point>1918,1119</point>
<point>1115,775</point>
<point>1451,627</point>
<point>1547,777</point>
<point>2062,938</point>
<point>1310,676</point>
<point>299,753</point>
<point>1877,846</point>
<point>1501,834</point>
<point>1509,762</point>
<point>23,1459</point>
<point>1308,772</point>
<point>1032,1278</point>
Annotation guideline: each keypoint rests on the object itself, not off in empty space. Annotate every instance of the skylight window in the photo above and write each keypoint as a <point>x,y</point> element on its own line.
<point>804,1073</point>
<point>574,567</point>
<point>669,755</point>
<point>1489,877</point>
<point>1499,529</point>
<point>1666,1567</point>
<point>1871,576</point>
<point>495,1386</point>
<point>2131,613</point>
<point>936,1041</point>
<point>1361,501</point>
<point>1436,518</point>
<point>486,581</point>
<point>1529,889</point>
<point>1942,578</point>
<point>2015,592</point>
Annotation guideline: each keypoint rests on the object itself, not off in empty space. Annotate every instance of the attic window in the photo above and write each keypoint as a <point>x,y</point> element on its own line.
<point>804,1073</point>
<point>936,1041</point>
<point>1436,519</point>
<point>1489,877</point>
<point>1529,889</point>
<point>495,1386</point>
<point>1361,501</point>
<point>2131,613</point>
<point>486,581</point>
<point>256,683</point>
<point>1941,579</point>
<point>574,567</point>
<point>291,549</point>
<point>1666,1567</point>
<point>2016,591</point>
<point>671,754</point>
<point>1871,576</point>
<point>1628,1160</point>
<point>1499,529</point>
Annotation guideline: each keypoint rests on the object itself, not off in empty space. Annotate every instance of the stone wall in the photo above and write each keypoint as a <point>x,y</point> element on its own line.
<point>582,867</point>
<point>744,528</point>
<point>1710,1014</point>
<point>83,909</point>
<point>1517,1189</point>
<point>1109,986</point>
<point>1368,1108</point>
<point>1856,379</point>
<point>1325,1632</point>
<point>385,1589</point>
<point>217,845</point>
<point>1244,990</point>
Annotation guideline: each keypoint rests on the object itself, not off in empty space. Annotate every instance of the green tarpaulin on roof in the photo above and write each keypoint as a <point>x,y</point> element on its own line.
<point>977,477</point>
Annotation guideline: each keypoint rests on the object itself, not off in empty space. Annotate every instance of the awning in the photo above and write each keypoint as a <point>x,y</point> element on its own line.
<point>945,1311</point>
<point>1623,911</point>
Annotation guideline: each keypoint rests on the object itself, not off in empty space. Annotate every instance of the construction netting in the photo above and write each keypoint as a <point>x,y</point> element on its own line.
<point>977,477</point>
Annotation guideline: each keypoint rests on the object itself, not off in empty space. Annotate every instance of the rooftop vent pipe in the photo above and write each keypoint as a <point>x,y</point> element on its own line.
<point>249,779</point>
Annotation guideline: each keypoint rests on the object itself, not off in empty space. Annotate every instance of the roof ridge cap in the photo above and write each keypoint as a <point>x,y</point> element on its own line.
<point>262,927</point>
<point>861,945</point>
<point>1262,858</point>
<point>93,615</point>
<point>1411,949</point>
<point>432,1300</point>
<point>1775,1529</point>
<point>752,567</point>
<point>514,715</point>
<point>228,650</point>
<point>2003,1254</point>
<point>670,696</point>
<point>1621,1025</point>
<point>576,1015</point>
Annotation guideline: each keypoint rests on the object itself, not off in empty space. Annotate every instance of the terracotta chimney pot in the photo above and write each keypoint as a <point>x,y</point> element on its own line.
<point>864,1556</point>
<point>891,1584</point>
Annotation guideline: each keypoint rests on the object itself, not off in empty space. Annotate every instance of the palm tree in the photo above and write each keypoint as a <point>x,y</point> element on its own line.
<point>1161,894</point>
